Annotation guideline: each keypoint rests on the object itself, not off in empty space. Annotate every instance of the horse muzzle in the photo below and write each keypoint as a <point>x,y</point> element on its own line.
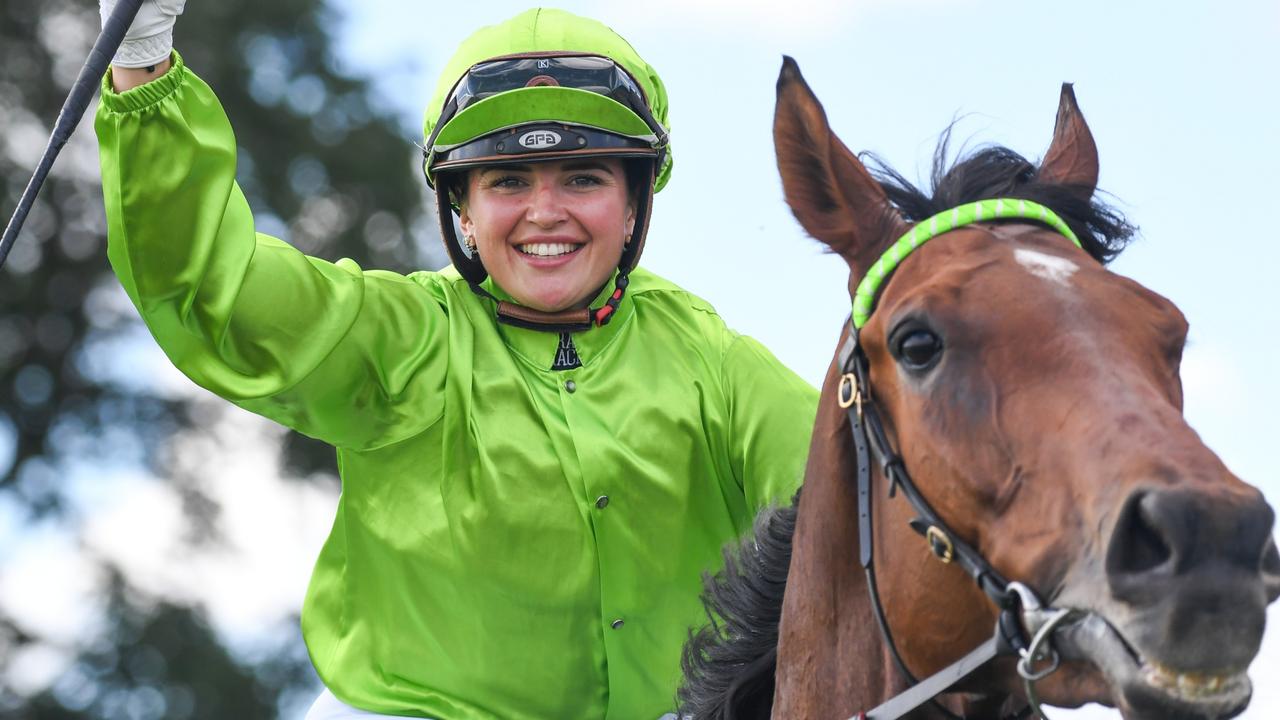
<point>1188,578</point>
<point>1146,690</point>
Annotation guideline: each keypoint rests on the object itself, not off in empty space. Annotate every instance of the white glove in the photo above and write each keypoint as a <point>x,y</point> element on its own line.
<point>150,37</point>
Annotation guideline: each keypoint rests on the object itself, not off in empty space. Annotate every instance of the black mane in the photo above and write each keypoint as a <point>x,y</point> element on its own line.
<point>729,664</point>
<point>993,171</point>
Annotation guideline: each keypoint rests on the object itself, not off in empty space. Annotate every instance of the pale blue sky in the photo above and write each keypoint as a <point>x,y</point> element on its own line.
<point>1182,99</point>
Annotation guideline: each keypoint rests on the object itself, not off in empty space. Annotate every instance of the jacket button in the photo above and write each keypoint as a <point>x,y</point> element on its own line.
<point>570,385</point>
<point>616,624</point>
<point>602,501</point>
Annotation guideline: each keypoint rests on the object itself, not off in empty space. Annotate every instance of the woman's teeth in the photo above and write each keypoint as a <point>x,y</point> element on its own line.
<point>548,249</point>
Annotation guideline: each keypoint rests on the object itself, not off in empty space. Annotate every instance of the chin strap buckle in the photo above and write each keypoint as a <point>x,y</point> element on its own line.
<point>604,313</point>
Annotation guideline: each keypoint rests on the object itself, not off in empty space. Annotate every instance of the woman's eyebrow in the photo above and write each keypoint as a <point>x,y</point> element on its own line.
<point>588,165</point>
<point>505,168</point>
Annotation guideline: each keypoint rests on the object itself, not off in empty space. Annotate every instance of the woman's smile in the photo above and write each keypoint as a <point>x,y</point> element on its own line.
<point>548,249</point>
<point>549,253</point>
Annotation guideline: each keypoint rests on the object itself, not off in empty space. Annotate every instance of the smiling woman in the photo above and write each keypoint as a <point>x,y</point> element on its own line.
<point>541,448</point>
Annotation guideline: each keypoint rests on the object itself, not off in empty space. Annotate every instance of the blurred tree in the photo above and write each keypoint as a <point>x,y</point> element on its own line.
<point>323,166</point>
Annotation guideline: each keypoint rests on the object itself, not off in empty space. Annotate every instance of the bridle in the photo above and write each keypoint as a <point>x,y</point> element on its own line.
<point>1021,613</point>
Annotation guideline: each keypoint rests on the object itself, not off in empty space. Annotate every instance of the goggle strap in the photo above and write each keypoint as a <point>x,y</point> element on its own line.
<point>659,131</point>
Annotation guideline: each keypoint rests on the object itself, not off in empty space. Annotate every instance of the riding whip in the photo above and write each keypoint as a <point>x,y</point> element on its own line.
<point>104,48</point>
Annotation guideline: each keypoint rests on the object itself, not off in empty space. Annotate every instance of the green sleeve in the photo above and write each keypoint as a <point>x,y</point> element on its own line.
<point>771,413</point>
<point>354,358</point>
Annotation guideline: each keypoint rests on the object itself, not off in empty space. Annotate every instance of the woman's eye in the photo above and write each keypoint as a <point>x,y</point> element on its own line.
<point>498,181</point>
<point>918,349</point>
<point>585,180</point>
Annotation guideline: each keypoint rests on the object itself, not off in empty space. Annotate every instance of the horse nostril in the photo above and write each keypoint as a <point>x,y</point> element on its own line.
<point>1166,535</point>
<point>1137,547</point>
<point>1271,570</point>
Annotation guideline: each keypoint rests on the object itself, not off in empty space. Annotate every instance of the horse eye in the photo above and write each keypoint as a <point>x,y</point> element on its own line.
<point>919,349</point>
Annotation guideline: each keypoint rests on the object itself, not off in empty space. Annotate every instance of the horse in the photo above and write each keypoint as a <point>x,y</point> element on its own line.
<point>1028,403</point>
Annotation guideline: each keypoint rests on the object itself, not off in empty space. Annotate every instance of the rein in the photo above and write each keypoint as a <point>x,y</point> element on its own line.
<point>1021,612</point>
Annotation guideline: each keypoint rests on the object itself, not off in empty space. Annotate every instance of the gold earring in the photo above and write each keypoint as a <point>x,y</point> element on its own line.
<point>470,242</point>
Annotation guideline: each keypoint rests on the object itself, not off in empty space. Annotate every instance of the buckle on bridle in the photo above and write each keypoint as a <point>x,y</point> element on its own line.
<point>849,395</point>
<point>940,544</point>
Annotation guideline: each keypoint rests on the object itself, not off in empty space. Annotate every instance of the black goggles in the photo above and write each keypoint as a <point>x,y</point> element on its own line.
<point>594,73</point>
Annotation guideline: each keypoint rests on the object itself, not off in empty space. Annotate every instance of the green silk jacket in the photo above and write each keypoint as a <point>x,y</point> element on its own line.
<point>511,541</point>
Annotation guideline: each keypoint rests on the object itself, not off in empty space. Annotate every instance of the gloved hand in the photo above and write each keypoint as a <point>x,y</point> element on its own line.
<point>150,37</point>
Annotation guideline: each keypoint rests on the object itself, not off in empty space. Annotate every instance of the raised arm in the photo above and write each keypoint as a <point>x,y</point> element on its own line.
<point>355,358</point>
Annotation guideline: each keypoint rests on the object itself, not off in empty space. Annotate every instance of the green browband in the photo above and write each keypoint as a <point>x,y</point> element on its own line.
<point>864,298</point>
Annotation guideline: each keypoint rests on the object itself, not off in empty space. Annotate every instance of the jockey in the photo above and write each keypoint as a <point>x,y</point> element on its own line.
<point>541,447</point>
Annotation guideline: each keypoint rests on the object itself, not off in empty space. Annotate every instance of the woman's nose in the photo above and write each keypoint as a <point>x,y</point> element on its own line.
<point>546,206</point>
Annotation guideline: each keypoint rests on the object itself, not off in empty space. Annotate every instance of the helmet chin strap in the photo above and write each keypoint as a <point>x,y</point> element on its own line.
<point>510,313</point>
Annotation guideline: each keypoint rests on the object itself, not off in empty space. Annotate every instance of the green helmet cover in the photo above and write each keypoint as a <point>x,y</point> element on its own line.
<point>547,30</point>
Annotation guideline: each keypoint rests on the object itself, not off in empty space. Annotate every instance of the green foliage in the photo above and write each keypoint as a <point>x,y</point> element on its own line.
<point>322,165</point>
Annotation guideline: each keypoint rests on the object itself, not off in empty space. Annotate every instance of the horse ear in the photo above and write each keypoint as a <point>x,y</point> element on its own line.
<point>830,192</point>
<point>1072,159</point>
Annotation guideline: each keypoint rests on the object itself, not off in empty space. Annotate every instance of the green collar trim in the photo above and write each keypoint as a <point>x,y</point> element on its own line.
<point>864,298</point>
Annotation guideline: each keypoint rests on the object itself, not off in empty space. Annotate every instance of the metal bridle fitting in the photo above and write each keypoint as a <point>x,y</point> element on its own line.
<point>1041,622</point>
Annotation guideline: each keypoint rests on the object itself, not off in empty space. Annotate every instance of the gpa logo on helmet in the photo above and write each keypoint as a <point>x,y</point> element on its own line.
<point>539,139</point>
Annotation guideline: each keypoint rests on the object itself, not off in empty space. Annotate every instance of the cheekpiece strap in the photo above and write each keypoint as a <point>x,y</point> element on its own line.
<point>872,443</point>
<point>864,298</point>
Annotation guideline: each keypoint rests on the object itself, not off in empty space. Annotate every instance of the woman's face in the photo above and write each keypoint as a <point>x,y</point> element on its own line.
<point>549,233</point>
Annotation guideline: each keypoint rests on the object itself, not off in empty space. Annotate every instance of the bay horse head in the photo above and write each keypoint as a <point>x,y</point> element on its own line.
<point>1034,399</point>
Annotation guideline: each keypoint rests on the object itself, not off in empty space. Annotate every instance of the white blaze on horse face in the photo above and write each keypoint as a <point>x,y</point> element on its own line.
<point>1054,269</point>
